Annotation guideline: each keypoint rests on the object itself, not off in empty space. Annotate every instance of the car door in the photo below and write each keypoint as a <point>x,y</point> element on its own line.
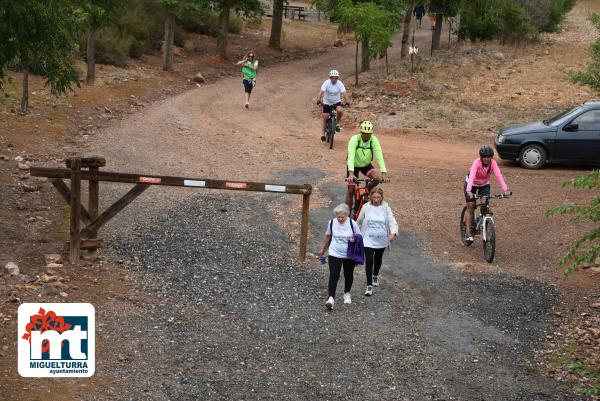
<point>579,139</point>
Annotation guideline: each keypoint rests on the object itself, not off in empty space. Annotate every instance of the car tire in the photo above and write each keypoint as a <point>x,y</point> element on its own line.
<point>532,156</point>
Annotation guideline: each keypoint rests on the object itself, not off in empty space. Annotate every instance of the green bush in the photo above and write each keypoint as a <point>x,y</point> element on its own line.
<point>591,76</point>
<point>513,23</point>
<point>207,23</point>
<point>511,20</point>
<point>112,47</point>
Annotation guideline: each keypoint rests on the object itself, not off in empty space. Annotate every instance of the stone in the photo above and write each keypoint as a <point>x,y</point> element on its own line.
<point>17,279</point>
<point>199,78</point>
<point>4,157</point>
<point>49,289</point>
<point>338,43</point>
<point>47,278</point>
<point>31,187</point>
<point>53,258</point>
<point>22,166</point>
<point>362,104</point>
<point>19,159</point>
<point>499,55</point>
<point>54,265</point>
<point>63,294</point>
<point>11,268</point>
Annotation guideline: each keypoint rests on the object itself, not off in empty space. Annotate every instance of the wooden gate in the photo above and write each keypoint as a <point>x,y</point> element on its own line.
<point>88,169</point>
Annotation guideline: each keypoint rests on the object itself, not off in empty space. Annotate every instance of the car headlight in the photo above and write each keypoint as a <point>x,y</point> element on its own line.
<point>501,138</point>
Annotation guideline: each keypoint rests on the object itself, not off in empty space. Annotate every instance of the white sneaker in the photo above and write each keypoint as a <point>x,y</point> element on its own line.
<point>376,281</point>
<point>469,239</point>
<point>369,291</point>
<point>347,298</point>
<point>329,303</point>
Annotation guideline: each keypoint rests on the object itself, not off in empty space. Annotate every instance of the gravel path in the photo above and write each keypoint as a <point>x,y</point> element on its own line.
<point>236,317</point>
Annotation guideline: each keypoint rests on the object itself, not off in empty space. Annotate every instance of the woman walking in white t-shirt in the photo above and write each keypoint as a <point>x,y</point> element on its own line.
<point>380,228</point>
<point>339,231</point>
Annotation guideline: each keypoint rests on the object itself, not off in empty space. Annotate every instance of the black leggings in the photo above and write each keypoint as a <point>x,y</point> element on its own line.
<point>335,268</point>
<point>373,256</point>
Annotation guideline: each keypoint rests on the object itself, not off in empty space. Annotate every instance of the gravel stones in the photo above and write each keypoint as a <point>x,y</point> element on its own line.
<point>233,316</point>
<point>11,268</point>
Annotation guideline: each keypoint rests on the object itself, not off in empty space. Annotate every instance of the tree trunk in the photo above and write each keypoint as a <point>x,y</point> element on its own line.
<point>25,97</point>
<point>437,32</point>
<point>224,29</point>
<point>275,39</point>
<point>91,54</point>
<point>406,30</point>
<point>365,62</point>
<point>356,64</point>
<point>169,39</point>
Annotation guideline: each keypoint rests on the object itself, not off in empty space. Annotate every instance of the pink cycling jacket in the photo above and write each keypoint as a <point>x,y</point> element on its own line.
<point>480,175</point>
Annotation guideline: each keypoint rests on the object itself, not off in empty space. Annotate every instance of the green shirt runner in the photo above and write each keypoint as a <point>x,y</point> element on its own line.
<point>360,154</point>
<point>249,73</point>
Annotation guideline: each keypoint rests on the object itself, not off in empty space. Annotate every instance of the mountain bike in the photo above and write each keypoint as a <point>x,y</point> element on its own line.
<point>361,196</point>
<point>483,223</point>
<point>330,125</point>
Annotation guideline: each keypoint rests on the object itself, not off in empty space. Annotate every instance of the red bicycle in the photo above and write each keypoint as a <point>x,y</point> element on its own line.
<point>361,195</point>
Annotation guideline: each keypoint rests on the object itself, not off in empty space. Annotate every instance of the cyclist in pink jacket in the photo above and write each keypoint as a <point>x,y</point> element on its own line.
<point>478,182</point>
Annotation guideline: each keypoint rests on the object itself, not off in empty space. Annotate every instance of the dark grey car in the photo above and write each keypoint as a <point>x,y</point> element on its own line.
<point>571,136</point>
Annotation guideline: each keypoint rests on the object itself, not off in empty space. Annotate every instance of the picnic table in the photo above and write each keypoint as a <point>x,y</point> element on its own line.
<point>292,11</point>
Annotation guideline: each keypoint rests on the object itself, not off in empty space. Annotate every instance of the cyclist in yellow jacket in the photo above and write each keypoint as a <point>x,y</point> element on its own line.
<point>362,148</point>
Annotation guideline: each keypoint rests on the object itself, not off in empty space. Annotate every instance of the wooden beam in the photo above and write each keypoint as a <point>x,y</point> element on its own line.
<point>65,192</point>
<point>174,181</point>
<point>75,222</point>
<point>304,227</point>
<point>113,210</point>
<point>93,204</point>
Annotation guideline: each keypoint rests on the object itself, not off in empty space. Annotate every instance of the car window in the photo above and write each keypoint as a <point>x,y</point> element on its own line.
<point>556,118</point>
<point>588,121</point>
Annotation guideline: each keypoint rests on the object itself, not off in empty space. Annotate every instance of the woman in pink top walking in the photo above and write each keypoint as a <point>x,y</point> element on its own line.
<point>478,182</point>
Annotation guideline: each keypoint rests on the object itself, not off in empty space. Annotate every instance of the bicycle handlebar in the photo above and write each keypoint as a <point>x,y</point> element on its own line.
<point>367,180</point>
<point>499,196</point>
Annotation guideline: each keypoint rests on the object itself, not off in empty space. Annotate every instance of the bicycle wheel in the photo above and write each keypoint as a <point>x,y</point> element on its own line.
<point>489,243</point>
<point>331,131</point>
<point>463,227</point>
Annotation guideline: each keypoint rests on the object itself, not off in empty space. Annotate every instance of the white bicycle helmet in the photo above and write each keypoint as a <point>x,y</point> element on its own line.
<point>334,73</point>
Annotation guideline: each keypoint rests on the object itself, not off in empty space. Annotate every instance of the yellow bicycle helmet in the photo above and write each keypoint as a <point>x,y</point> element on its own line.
<point>366,127</point>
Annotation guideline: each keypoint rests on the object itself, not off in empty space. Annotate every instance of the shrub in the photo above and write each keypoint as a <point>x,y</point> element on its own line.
<point>511,20</point>
<point>207,23</point>
<point>111,47</point>
<point>591,76</point>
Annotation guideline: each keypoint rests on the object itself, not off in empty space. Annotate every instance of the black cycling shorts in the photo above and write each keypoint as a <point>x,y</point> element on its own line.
<point>483,190</point>
<point>365,170</point>
<point>328,107</point>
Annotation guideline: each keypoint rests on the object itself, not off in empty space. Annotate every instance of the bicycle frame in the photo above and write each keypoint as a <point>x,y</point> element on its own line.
<point>361,194</point>
<point>486,212</point>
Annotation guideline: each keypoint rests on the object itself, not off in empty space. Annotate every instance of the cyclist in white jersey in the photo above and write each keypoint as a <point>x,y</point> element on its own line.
<point>332,95</point>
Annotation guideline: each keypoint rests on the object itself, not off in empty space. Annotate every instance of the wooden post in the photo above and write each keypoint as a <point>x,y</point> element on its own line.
<point>75,237</point>
<point>93,200</point>
<point>304,226</point>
